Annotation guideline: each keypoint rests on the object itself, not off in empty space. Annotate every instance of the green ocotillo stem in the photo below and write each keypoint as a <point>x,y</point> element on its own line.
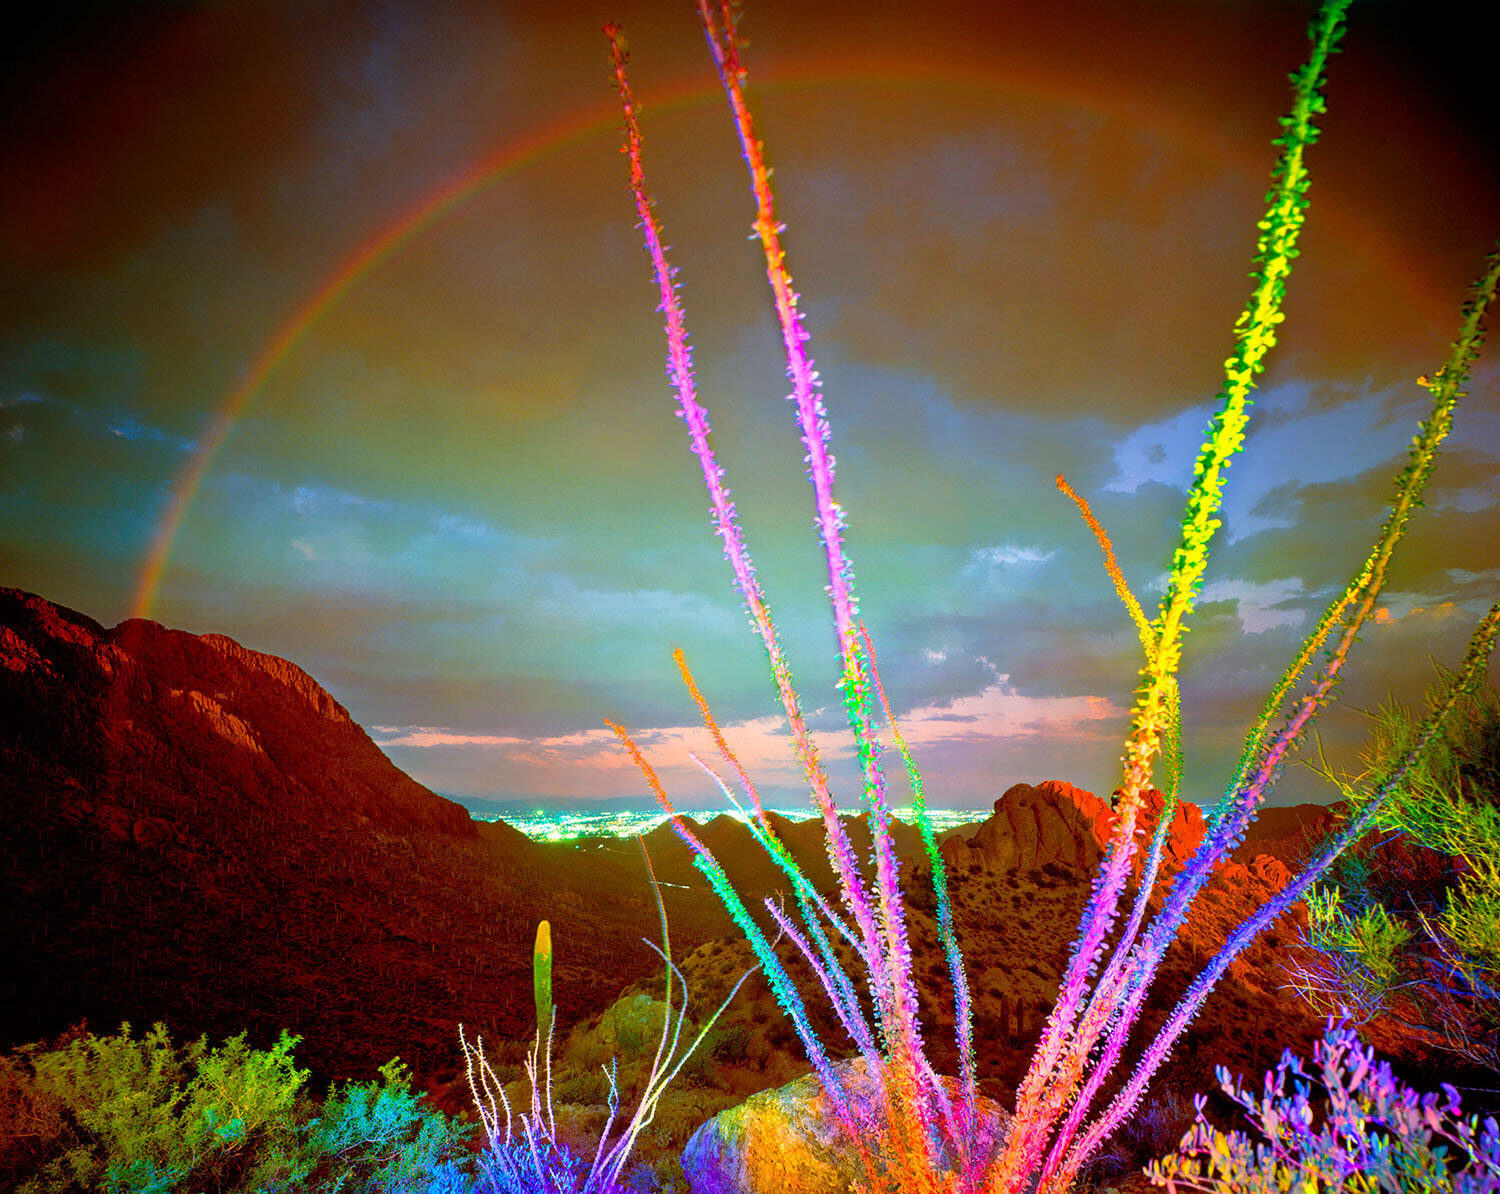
<point>541,979</point>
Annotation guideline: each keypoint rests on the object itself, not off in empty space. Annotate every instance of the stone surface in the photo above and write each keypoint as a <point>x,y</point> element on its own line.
<point>786,1141</point>
<point>1054,824</point>
<point>200,833</point>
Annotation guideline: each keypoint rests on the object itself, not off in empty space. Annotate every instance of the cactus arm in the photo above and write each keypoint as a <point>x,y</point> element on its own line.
<point>541,990</point>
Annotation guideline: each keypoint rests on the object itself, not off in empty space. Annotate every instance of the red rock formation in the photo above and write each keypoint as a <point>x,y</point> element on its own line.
<point>1055,824</point>
<point>198,832</point>
<point>788,1140</point>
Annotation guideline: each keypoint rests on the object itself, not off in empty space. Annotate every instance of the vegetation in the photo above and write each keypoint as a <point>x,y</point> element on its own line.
<point>121,1114</point>
<point>1407,927</point>
<point>140,1116</point>
<point>1368,1133</point>
<point>1111,968</point>
<point>528,1155</point>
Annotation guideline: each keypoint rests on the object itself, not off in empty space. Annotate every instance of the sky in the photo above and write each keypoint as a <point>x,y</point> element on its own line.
<point>328,327</point>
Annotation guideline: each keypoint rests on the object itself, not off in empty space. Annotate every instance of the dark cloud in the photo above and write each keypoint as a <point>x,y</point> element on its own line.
<point>460,497</point>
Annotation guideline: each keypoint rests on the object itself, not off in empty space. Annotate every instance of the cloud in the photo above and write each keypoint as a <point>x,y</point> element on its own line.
<point>20,400</point>
<point>132,429</point>
<point>1007,554</point>
<point>1260,607</point>
<point>995,715</point>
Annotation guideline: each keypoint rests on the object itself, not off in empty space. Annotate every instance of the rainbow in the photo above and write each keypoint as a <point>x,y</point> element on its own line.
<point>519,153</point>
<point>513,156</point>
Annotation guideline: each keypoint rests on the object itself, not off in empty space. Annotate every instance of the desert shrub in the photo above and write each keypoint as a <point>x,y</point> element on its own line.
<point>725,1045</point>
<point>128,1115</point>
<point>636,1024</point>
<point>589,1086</point>
<point>35,1119</point>
<point>1368,1132</point>
<point>143,1115</point>
<point>382,1138</point>
<point>1153,1131</point>
<point>1421,943</point>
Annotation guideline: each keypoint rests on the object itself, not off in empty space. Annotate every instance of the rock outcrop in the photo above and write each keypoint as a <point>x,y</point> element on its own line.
<point>788,1141</point>
<point>1055,824</point>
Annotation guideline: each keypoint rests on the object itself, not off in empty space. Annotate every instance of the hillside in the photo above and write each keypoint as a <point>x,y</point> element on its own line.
<point>200,833</point>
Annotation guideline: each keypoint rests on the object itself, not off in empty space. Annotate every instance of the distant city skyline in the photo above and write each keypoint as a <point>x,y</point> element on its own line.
<point>565,825</point>
<point>329,328</point>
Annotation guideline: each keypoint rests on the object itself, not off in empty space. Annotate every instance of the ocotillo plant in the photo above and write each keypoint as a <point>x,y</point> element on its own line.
<point>898,1142</point>
<point>530,1158</point>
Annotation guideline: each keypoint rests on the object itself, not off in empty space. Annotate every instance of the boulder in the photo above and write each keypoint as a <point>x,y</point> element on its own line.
<point>1055,824</point>
<point>787,1141</point>
<point>1051,822</point>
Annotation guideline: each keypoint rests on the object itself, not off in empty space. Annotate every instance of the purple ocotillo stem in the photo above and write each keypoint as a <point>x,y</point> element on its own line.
<point>760,825</point>
<point>781,985</point>
<point>808,900</point>
<point>1478,653</point>
<point>840,993</point>
<point>899,1010</point>
<point>1042,1094</point>
<point>961,1008</point>
<point>1135,978</point>
<point>679,369</point>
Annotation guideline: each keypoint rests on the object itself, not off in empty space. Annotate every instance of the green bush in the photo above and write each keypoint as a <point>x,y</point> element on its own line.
<point>141,1116</point>
<point>1424,948</point>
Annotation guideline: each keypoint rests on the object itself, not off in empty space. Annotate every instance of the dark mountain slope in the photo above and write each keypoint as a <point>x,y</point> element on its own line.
<point>199,833</point>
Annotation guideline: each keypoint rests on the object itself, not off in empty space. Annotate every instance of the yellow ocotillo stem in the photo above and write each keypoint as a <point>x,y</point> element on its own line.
<point>541,980</point>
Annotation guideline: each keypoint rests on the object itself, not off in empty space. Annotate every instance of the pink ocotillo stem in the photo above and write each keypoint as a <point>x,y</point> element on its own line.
<point>1107,982</point>
<point>1132,981</point>
<point>962,1013</point>
<point>841,993</point>
<point>691,411</point>
<point>899,1018</point>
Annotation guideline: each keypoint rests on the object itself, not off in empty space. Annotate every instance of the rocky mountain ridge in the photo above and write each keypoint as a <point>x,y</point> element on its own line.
<point>200,833</point>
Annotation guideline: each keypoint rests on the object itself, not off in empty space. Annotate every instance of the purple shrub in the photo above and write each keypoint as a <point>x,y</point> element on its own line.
<point>1367,1131</point>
